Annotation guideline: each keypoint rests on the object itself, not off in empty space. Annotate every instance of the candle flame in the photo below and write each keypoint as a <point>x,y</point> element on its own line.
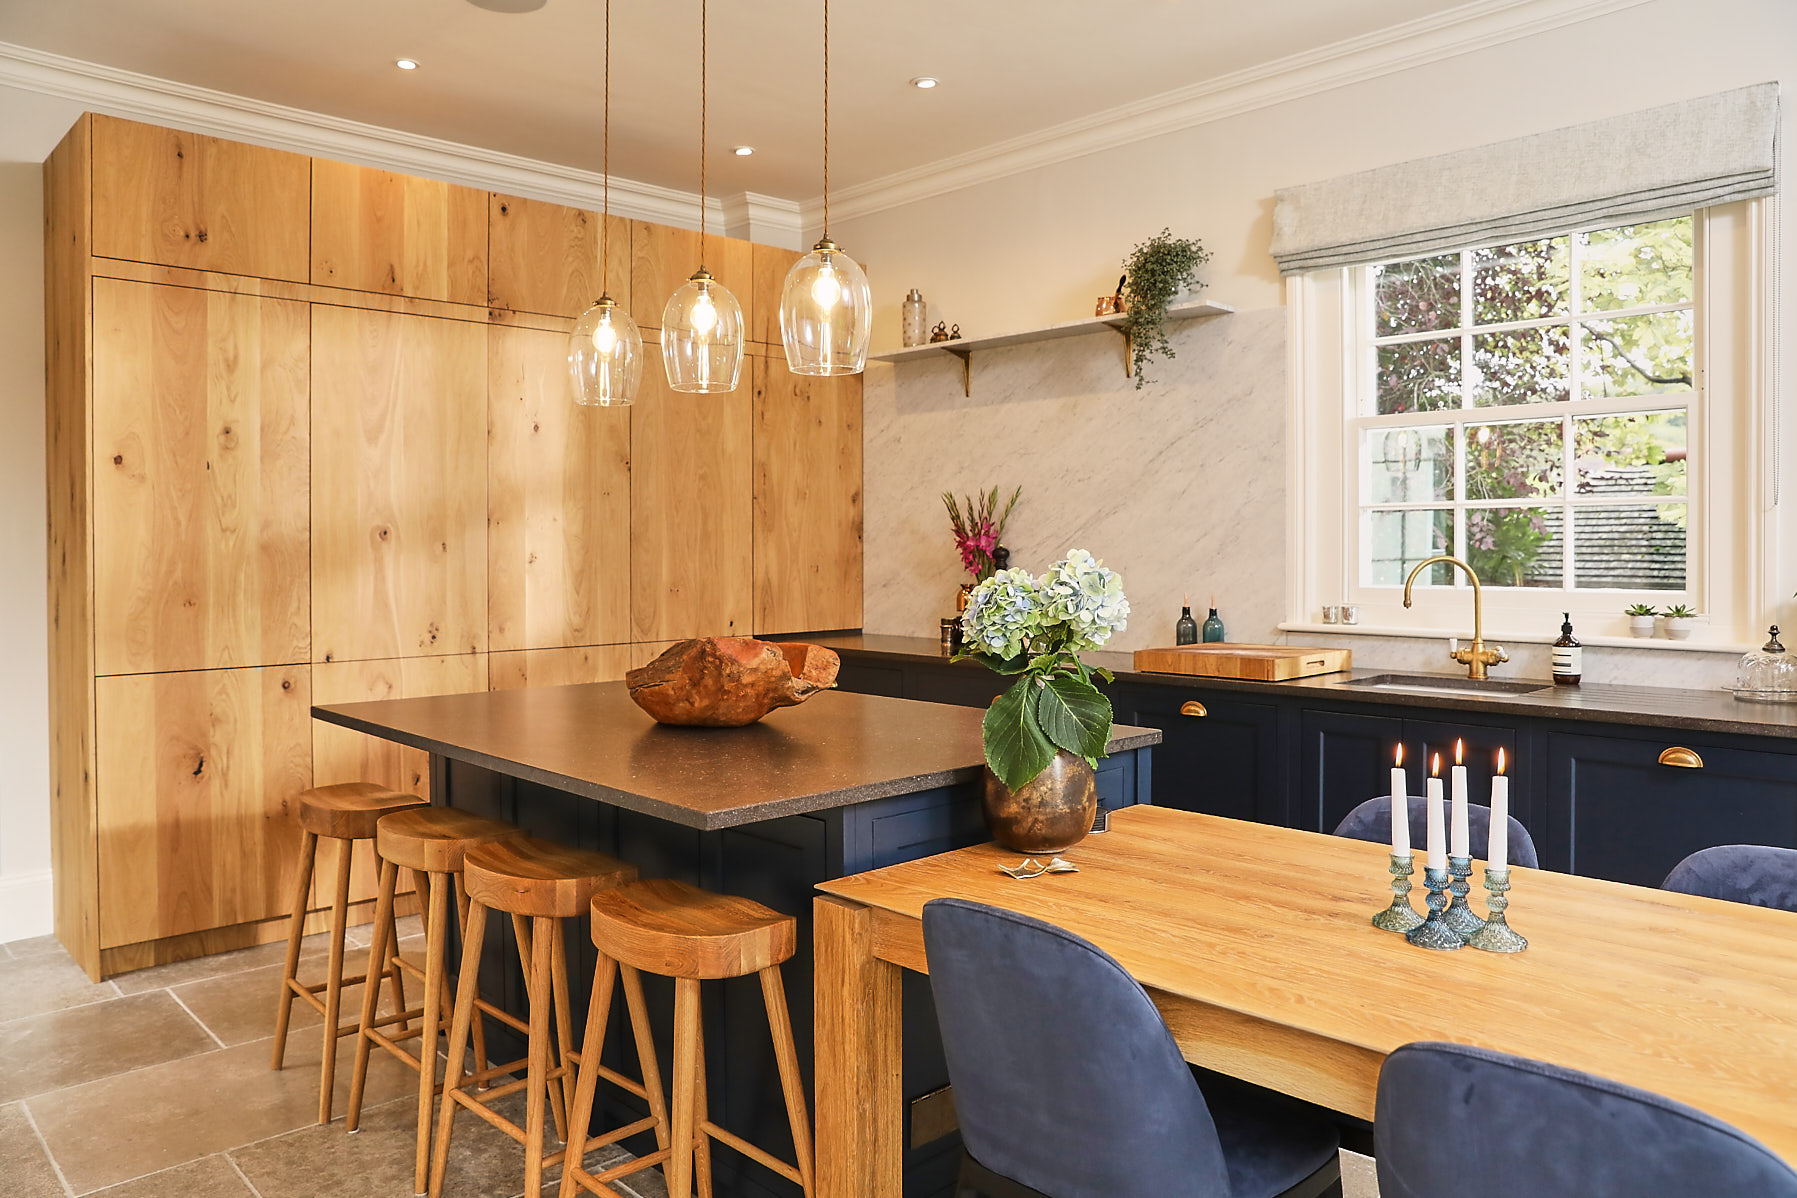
<point>1500,761</point>
<point>1459,751</point>
<point>1400,753</point>
<point>1435,767</point>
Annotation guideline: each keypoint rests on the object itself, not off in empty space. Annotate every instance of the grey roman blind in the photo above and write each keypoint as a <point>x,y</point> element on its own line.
<point>1646,165</point>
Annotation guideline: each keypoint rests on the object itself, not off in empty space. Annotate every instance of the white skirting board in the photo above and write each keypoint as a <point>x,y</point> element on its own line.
<point>25,906</point>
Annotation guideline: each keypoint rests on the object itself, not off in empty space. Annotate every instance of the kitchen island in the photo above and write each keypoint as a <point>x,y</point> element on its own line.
<point>842,784</point>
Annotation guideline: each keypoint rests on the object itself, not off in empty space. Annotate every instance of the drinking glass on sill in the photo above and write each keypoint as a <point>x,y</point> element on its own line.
<point>1332,613</point>
<point>1350,613</point>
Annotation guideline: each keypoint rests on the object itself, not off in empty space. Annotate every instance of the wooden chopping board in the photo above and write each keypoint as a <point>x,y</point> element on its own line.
<point>1257,663</point>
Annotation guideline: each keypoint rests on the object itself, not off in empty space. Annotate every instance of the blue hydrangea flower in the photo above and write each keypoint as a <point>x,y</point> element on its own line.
<point>1002,614</point>
<point>1081,594</point>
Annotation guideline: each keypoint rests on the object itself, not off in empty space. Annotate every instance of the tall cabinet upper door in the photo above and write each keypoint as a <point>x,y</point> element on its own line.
<point>179,199</point>
<point>546,257</point>
<point>199,479</point>
<point>399,485</point>
<point>373,230</point>
<point>807,500</point>
<point>664,258</point>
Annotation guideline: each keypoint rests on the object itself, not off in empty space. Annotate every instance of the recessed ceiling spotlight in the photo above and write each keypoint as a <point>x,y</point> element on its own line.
<point>406,64</point>
<point>509,5</point>
<point>743,151</point>
<point>924,82</point>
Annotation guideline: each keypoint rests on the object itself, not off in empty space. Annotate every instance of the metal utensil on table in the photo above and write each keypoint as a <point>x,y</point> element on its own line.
<point>1031,867</point>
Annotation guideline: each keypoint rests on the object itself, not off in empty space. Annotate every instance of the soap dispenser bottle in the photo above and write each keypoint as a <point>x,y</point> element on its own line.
<point>1213,624</point>
<point>1186,631</point>
<point>1568,666</point>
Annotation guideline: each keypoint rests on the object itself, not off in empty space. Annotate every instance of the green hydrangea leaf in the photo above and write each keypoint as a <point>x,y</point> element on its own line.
<point>1015,747</point>
<point>1075,715</point>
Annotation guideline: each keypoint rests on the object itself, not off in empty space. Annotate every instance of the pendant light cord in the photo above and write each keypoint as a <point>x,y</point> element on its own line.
<point>703,14</point>
<point>826,120</point>
<point>605,217</point>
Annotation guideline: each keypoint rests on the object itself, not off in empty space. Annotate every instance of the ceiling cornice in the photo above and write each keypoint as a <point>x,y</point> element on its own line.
<point>219,114</point>
<point>1415,43</point>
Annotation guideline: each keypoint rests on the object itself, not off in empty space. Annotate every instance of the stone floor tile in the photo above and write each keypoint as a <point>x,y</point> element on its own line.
<point>46,981</point>
<point>1359,1178</point>
<point>36,946</point>
<point>211,1177</point>
<point>24,1166</point>
<point>314,952</point>
<point>83,1044</point>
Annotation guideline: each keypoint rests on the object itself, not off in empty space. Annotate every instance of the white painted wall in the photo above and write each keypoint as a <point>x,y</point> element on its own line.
<point>1036,248</point>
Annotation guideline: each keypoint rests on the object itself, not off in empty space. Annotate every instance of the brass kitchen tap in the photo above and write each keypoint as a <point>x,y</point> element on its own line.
<point>1477,658</point>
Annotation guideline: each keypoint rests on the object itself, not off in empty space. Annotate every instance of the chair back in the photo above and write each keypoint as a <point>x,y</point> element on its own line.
<point>1479,1124</point>
<point>1758,874</point>
<point>1066,1078</point>
<point>1372,821</point>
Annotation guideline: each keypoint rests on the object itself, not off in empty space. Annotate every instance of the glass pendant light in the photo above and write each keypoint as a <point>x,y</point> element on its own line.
<point>826,307</point>
<point>702,326</point>
<point>605,351</point>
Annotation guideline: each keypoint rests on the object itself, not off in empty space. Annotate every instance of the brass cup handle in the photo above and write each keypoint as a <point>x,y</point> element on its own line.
<point>1193,707</point>
<point>1682,758</point>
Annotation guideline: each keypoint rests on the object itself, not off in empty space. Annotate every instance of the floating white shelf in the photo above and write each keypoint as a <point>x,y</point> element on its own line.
<point>963,348</point>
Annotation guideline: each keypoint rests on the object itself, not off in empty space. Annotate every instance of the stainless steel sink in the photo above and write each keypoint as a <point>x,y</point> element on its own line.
<point>1446,684</point>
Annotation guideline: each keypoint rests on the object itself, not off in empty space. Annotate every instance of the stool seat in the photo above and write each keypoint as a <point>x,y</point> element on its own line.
<point>434,839</point>
<point>539,878</point>
<point>681,931</point>
<point>350,810</point>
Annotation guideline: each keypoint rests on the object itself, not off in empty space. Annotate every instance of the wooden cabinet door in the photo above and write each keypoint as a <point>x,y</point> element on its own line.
<point>771,266</point>
<point>545,258</point>
<point>558,508</point>
<point>179,199</point>
<point>1219,753</point>
<point>807,500</point>
<point>399,495</point>
<point>200,479</point>
<point>558,667</point>
<point>691,491</point>
<point>373,230</point>
<point>664,258</point>
<point>197,771</point>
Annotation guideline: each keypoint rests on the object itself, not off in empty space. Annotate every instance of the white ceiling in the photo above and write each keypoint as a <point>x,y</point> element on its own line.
<point>529,84</point>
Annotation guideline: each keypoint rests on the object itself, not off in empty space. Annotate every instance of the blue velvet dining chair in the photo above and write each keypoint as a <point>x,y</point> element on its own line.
<point>1372,821</point>
<point>1069,1085</point>
<point>1478,1124</point>
<point>1758,874</point>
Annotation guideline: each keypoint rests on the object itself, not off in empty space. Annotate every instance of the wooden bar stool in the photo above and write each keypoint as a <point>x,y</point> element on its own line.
<point>431,842</point>
<point>691,935</point>
<point>346,812</point>
<point>539,884</point>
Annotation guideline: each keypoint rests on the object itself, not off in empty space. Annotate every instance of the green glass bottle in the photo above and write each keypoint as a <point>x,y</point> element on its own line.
<point>1213,624</point>
<point>1186,631</point>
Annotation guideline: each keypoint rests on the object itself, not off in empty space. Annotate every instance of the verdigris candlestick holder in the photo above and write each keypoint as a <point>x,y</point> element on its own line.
<point>1460,915</point>
<point>1434,931</point>
<point>1400,916</point>
<point>1497,936</point>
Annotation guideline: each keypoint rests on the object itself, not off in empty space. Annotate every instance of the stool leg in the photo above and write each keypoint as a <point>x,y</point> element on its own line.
<point>333,988</point>
<point>645,1051</point>
<point>580,1110</point>
<point>792,1083</point>
<point>536,1078</point>
<point>436,934</point>
<point>480,1022</point>
<point>377,963</point>
<point>701,1112</point>
<point>396,982</point>
<point>686,1051</point>
<point>302,891</point>
<point>466,987</point>
<point>561,1098</point>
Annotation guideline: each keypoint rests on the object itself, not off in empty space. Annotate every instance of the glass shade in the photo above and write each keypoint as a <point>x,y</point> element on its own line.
<point>605,356</point>
<point>702,337</point>
<point>826,313</point>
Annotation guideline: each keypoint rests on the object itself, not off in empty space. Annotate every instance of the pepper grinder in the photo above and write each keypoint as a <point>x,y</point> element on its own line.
<point>915,318</point>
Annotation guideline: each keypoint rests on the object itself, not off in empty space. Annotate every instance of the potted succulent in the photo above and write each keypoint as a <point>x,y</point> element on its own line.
<point>1641,617</point>
<point>1156,271</point>
<point>1679,619</point>
<point>1045,734</point>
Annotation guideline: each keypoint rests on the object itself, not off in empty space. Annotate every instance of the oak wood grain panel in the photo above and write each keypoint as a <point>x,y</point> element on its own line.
<point>161,195</point>
<point>644,652</point>
<point>67,183</point>
<point>399,494</point>
<point>808,557</point>
<point>124,958</point>
<point>859,1014</point>
<point>546,257</point>
<point>558,667</point>
<point>196,774</point>
<point>558,518</point>
<point>691,524</point>
<point>664,257</point>
<point>374,230</point>
<point>771,264</point>
<point>200,479</point>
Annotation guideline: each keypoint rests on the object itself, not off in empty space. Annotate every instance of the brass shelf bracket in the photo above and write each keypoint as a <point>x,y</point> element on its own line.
<point>966,356</point>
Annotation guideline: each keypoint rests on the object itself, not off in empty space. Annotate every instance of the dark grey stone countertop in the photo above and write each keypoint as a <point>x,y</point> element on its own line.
<point>833,751</point>
<point>1635,706</point>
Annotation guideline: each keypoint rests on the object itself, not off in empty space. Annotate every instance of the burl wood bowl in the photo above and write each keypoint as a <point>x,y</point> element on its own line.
<point>730,681</point>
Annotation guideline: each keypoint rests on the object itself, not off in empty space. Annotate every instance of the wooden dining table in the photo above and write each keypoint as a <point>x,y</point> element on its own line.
<point>1256,944</point>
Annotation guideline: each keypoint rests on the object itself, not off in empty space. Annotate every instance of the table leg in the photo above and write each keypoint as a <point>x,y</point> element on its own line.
<point>859,1042</point>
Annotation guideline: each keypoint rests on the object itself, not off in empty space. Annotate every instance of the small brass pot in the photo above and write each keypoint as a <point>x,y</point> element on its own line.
<point>1050,814</point>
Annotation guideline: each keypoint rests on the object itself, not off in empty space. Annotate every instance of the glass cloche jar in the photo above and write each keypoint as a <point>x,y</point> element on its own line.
<point>1767,674</point>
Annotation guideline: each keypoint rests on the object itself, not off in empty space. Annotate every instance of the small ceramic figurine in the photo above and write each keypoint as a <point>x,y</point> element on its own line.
<point>939,333</point>
<point>954,333</point>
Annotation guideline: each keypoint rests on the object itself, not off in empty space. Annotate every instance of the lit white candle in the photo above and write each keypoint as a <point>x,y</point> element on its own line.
<point>1497,849</point>
<point>1458,839</point>
<point>1438,852</point>
<point>1400,808</point>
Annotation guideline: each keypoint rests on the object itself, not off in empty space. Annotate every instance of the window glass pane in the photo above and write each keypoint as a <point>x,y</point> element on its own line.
<point>1410,465</point>
<point>1399,540</point>
<point>1526,281</point>
<point>1637,265</point>
<point>1515,461</point>
<point>1515,547</point>
<point>1631,455</point>
<point>1638,355</point>
<point>1419,296</point>
<point>1525,366</point>
<point>1634,547</point>
<point>1419,376</point>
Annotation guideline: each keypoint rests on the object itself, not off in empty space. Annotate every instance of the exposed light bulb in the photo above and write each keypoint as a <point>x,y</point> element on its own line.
<point>705,314</point>
<point>826,289</point>
<point>605,337</point>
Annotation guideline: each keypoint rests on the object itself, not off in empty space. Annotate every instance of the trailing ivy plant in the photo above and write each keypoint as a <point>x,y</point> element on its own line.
<point>1156,271</point>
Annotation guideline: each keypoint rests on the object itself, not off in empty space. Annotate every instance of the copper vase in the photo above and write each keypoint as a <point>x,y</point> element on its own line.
<point>1050,814</point>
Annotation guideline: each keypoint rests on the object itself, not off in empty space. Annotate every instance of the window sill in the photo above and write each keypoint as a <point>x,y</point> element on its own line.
<point>1409,632</point>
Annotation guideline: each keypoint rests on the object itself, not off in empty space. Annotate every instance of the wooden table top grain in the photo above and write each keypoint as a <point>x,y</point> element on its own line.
<point>1256,943</point>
